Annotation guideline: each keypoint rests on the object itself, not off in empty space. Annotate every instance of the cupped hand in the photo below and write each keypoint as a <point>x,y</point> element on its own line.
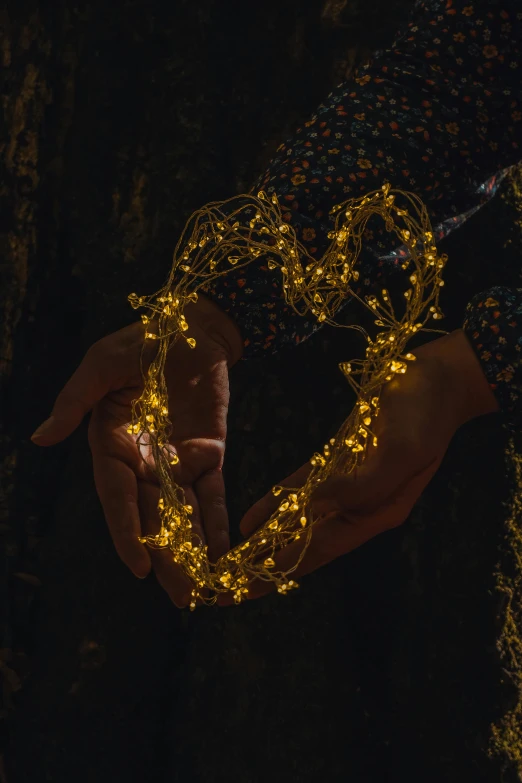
<point>419,413</point>
<point>107,381</point>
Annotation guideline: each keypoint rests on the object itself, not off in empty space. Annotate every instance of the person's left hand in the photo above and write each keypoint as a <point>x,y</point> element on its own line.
<point>419,413</point>
<point>107,381</point>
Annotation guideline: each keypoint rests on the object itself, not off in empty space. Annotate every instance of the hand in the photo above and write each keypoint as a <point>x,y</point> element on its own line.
<point>106,382</point>
<point>419,413</point>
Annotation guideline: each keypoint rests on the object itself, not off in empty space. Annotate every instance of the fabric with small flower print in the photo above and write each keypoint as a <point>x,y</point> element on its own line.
<point>493,324</point>
<point>438,113</point>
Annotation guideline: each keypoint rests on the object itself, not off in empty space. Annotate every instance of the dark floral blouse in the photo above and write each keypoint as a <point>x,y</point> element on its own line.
<point>438,113</point>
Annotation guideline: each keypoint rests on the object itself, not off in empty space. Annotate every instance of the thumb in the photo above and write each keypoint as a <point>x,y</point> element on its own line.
<point>87,386</point>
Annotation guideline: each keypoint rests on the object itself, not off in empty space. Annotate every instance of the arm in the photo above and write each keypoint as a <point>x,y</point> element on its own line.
<point>465,374</point>
<point>420,412</point>
<point>438,113</point>
<point>106,383</point>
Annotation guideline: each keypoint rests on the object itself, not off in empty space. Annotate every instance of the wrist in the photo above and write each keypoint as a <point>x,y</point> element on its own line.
<point>218,326</point>
<point>470,394</point>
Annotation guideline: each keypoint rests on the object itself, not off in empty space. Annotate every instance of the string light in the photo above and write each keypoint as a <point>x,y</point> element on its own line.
<point>220,237</point>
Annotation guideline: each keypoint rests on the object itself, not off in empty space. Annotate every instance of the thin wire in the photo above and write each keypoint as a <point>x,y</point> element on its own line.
<point>220,237</point>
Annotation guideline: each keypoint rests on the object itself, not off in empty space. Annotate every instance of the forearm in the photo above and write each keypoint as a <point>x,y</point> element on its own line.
<point>483,360</point>
<point>469,393</point>
<point>438,114</point>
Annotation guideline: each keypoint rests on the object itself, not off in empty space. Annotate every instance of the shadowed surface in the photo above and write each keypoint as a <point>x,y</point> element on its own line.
<point>122,119</point>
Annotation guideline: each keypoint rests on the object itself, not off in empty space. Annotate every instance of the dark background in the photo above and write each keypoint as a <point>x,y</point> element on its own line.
<point>121,118</point>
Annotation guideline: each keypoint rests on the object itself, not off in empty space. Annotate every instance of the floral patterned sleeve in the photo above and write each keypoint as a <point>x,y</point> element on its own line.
<point>438,113</point>
<point>493,325</point>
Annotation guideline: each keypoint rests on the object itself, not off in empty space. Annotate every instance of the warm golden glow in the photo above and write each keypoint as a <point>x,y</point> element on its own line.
<point>211,244</point>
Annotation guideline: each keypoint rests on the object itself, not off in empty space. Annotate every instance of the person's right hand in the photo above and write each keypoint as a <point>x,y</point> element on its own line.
<point>419,415</point>
<point>107,381</point>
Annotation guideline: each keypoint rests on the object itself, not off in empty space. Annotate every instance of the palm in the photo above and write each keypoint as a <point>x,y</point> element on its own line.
<point>414,429</point>
<point>197,382</point>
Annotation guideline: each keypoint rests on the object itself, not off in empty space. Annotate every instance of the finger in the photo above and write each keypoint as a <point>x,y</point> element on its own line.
<point>117,489</point>
<point>296,559</point>
<point>261,511</point>
<point>210,491</point>
<point>339,534</point>
<point>197,524</point>
<point>168,573</point>
<point>326,544</point>
<point>195,517</point>
<point>146,468</point>
<point>87,386</point>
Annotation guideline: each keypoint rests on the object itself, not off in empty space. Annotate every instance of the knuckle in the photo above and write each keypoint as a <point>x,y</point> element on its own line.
<point>218,503</point>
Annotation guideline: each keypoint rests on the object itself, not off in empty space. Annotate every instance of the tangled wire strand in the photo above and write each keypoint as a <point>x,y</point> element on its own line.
<point>220,237</point>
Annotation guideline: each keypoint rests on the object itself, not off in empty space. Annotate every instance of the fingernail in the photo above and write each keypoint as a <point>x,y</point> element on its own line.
<point>43,428</point>
<point>142,573</point>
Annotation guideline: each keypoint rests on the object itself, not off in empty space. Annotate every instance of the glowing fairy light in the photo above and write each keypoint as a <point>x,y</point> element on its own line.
<point>215,241</point>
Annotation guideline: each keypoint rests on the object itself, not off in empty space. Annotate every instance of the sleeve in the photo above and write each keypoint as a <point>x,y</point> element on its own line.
<point>438,113</point>
<point>493,325</point>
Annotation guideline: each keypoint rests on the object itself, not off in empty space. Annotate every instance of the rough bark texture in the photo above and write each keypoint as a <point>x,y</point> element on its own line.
<point>121,118</point>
